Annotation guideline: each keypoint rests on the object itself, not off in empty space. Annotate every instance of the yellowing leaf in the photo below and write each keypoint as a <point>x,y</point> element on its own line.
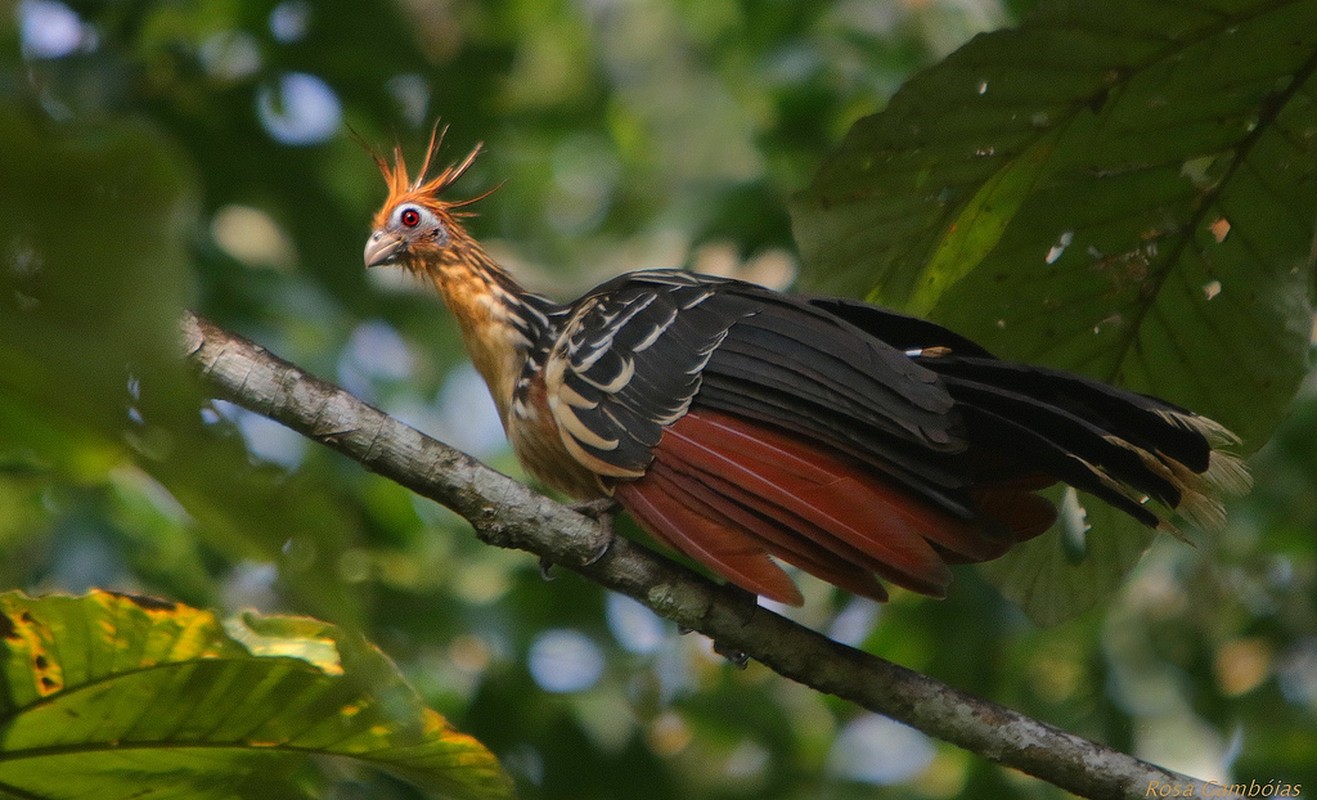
<point>112,695</point>
<point>303,638</point>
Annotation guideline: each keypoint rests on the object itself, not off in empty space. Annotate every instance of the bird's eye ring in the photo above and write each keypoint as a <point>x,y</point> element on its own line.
<point>410,217</point>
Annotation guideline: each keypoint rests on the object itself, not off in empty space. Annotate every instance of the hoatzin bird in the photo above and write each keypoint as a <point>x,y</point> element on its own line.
<point>739,425</point>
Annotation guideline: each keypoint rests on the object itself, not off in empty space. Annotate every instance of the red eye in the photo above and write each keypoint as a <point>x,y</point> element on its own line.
<point>410,217</point>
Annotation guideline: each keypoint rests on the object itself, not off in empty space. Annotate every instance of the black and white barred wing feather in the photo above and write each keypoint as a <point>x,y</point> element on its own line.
<point>628,363</point>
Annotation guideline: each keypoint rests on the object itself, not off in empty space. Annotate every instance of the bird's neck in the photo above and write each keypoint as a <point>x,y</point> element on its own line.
<point>501,322</point>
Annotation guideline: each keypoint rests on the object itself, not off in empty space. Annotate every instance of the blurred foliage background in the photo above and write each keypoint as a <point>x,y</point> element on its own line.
<point>156,155</point>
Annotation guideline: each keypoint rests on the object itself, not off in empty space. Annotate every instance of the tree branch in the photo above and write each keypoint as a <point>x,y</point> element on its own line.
<point>508,514</point>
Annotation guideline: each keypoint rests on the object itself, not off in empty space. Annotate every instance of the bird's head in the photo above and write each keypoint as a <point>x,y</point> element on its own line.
<point>416,226</point>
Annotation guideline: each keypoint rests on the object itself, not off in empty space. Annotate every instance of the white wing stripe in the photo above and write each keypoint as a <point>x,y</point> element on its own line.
<point>574,399</point>
<point>617,383</point>
<point>573,425</point>
<point>654,335</point>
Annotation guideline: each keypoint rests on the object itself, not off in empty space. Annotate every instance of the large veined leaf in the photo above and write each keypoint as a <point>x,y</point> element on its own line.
<point>1127,188</point>
<point>75,318</point>
<point>96,218</point>
<point>115,696</point>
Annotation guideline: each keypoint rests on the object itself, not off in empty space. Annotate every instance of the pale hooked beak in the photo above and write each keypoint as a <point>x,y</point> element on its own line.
<point>384,248</point>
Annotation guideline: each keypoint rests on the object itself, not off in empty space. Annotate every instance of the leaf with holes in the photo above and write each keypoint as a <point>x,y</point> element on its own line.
<point>1124,188</point>
<point>117,696</point>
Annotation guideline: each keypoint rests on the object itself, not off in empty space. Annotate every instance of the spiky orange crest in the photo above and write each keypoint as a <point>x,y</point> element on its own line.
<point>404,188</point>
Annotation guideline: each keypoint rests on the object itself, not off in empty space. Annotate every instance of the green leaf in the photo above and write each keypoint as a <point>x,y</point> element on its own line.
<point>1167,157</point>
<point>980,225</point>
<point>1055,577</point>
<point>95,222</point>
<point>112,695</point>
<point>1126,189</point>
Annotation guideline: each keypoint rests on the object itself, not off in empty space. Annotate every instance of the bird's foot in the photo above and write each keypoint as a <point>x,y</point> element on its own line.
<point>745,604</point>
<point>546,568</point>
<point>739,658</point>
<point>601,510</point>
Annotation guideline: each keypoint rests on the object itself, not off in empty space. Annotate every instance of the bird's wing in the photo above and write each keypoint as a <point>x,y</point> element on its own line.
<point>628,362</point>
<point>636,352</point>
<point>738,423</point>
